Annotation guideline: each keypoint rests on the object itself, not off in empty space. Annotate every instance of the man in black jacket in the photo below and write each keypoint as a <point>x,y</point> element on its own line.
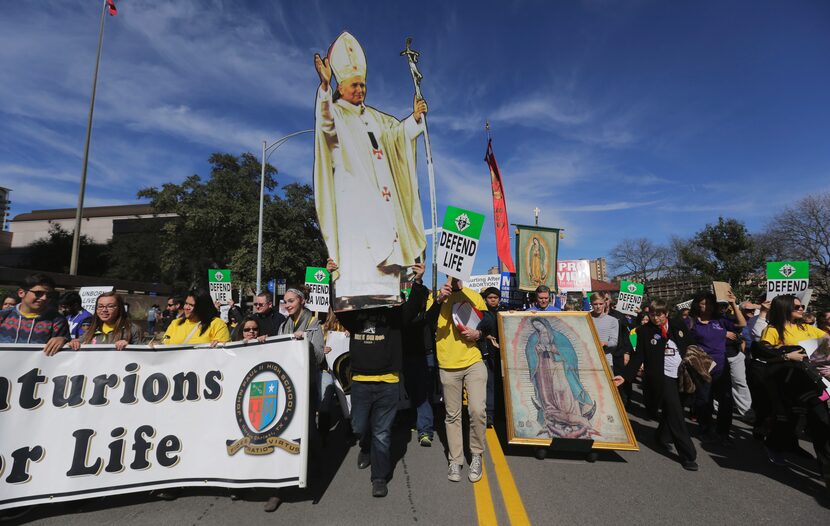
<point>489,346</point>
<point>268,317</point>
<point>376,351</point>
<point>661,346</point>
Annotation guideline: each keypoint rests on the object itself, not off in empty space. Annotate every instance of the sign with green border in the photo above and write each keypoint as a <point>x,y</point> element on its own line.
<point>317,281</point>
<point>458,242</point>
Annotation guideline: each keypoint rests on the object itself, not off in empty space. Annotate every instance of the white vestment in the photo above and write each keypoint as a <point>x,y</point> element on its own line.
<point>366,195</point>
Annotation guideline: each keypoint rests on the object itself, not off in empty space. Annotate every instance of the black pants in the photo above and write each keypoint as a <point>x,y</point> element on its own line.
<point>721,390</point>
<point>796,390</point>
<point>672,425</point>
<point>626,388</point>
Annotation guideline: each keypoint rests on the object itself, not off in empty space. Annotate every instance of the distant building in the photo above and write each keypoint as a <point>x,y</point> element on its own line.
<point>598,269</point>
<point>97,222</point>
<point>4,208</point>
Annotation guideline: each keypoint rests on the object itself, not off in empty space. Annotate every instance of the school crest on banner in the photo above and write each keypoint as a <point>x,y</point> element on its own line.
<point>537,249</point>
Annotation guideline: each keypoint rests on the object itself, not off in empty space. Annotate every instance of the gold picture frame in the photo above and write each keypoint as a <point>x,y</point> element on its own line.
<point>557,382</point>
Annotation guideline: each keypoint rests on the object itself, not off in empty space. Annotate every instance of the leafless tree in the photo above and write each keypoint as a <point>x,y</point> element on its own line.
<point>802,232</point>
<point>640,257</point>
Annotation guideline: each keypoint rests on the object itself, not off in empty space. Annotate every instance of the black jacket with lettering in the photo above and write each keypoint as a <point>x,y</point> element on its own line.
<point>376,344</point>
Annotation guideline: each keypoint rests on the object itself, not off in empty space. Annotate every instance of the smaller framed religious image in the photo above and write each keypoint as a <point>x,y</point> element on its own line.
<point>557,382</point>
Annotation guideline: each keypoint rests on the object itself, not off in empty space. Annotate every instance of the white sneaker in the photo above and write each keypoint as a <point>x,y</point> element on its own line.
<point>454,472</point>
<point>475,469</point>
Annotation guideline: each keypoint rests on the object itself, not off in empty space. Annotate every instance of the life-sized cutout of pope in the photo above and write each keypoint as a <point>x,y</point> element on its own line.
<point>365,183</point>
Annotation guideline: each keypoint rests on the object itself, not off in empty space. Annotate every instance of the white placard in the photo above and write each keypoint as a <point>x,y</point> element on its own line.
<point>339,343</point>
<point>479,282</point>
<point>573,275</point>
<point>142,418</point>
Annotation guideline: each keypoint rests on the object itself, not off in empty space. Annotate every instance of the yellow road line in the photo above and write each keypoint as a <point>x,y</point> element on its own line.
<point>484,500</point>
<point>512,500</point>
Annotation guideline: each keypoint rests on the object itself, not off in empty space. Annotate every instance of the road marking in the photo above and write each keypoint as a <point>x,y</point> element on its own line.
<point>510,493</point>
<point>484,500</point>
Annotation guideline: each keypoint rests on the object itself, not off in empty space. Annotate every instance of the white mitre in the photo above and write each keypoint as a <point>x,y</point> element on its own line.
<point>346,58</point>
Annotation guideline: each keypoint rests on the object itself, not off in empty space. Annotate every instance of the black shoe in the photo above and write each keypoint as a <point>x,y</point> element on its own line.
<point>689,465</point>
<point>379,488</point>
<point>664,447</point>
<point>363,460</point>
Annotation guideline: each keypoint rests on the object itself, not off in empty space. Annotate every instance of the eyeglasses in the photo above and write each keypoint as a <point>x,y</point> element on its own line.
<point>259,304</point>
<point>250,329</point>
<point>798,307</point>
<point>39,293</point>
<point>106,307</point>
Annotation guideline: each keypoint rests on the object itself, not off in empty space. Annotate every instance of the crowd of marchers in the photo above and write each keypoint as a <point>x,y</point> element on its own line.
<point>698,368</point>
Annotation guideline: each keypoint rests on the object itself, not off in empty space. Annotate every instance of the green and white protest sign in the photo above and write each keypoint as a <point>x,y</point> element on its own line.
<point>787,277</point>
<point>219,285</point>
<point>630,298</point>
<point>458,243</point>
<point>317,280</point>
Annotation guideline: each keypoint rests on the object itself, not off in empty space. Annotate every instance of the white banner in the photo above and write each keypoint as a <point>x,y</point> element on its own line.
<point>101,422</point>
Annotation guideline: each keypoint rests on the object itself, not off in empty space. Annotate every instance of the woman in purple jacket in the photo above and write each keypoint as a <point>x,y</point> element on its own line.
<point>711,331</point>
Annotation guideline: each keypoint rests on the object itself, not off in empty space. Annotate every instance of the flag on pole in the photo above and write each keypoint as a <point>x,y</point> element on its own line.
<point>111,7</point>
<point>499,211</point>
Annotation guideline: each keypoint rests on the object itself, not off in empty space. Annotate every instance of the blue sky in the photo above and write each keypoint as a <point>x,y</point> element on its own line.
<point>616,118</point>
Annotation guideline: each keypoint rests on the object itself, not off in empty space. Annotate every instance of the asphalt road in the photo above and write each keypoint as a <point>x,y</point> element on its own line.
<point>735,485</point>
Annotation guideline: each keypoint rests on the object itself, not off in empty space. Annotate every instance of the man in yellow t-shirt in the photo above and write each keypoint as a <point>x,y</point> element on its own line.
<point>461,366</point>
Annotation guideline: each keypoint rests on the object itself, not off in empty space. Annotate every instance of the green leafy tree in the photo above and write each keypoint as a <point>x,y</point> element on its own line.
<point>135,255</point>
<point>722,252</point>
<point>217,222</point>
<point>52,253</point>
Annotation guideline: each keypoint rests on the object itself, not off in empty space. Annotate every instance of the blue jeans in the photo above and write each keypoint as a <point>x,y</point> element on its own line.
<point>374,405</point>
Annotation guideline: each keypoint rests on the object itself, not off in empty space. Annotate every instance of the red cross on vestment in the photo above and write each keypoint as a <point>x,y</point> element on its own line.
<point>378,152</point>
<point>386,193</point>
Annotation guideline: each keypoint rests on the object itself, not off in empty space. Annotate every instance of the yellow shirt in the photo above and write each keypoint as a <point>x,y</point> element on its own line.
<point>389,378</point>
<point>792,334</point>
<point>454,352</point>
<point>177,332</point>
<point>106,328</point>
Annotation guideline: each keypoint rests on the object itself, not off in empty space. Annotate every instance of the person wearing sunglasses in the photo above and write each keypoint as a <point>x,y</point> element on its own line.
<point>248,331</point>
<point>787,333</point>
<point>111,325</point>
<point>269,318</point>
<point>34,319</point>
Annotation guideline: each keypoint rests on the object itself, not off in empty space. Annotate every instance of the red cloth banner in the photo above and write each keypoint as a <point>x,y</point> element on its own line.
<point>499,211</point>
<point>111,7</point>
